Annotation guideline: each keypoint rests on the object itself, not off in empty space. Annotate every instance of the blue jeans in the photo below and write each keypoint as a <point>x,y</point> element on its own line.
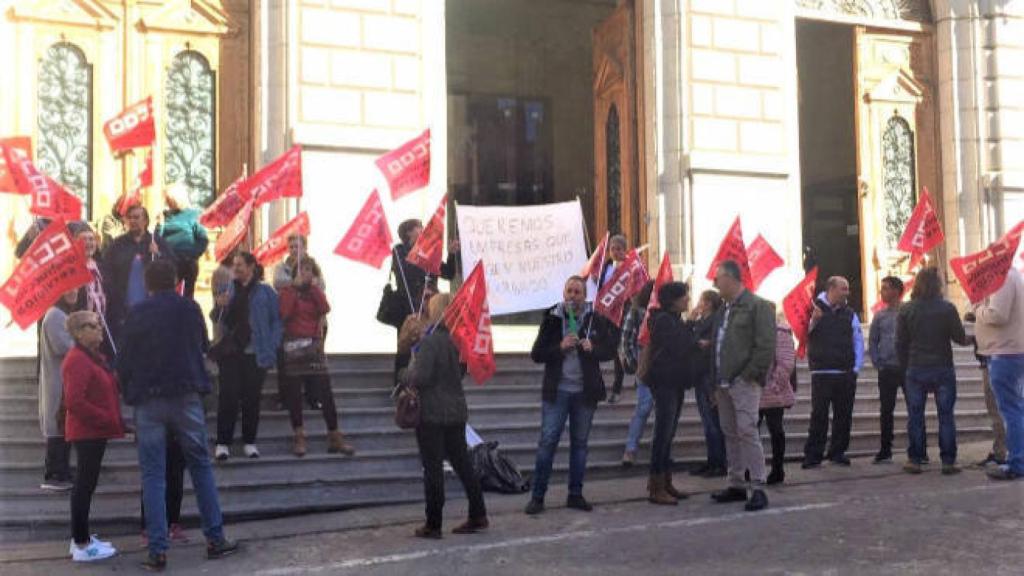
<point>185,417</point>
<point>941,382</point>
<point>580,414</point>
<point>1006,375</point>
<point>714,439</point>
<point>644,405</point>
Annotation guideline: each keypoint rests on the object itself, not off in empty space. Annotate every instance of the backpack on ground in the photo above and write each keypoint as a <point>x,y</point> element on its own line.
<point>496,472</point>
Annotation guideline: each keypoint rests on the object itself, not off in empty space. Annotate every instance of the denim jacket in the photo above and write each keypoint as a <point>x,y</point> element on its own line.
<point>265,323</point>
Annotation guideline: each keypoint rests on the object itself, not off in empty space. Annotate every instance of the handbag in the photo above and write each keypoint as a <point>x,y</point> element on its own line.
<point>391,310</point>
<point>407,408</point>
<point>304,356</point>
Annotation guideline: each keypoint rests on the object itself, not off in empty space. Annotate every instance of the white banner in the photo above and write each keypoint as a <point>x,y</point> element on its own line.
<point>528,251</point>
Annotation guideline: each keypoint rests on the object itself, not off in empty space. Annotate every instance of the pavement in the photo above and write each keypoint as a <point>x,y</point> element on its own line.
<point>863,519</point>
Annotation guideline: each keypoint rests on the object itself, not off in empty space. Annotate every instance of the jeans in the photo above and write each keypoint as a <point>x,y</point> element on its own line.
<point>773,418</point>
<point>992,407</point>
<point>580,413</point>
<point>58,459</point>
<point>1006,373</point>
<point>941,381</point>
<point>644,405</point>
<point>668,399</point>
<point>714,439</point>
<point>185,418</point>
<point>90,455</point>
<point>241,385</point>
<point>175,483</point>
<point>437,442</point>
<point>890,381</point>
<point>839,392</point>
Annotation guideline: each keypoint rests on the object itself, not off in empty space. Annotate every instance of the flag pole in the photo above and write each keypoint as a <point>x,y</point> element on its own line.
<point>401,273</point>
<point>106,329</point>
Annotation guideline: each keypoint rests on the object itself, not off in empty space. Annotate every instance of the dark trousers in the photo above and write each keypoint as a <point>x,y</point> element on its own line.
<point>175,482</point>
<point>58,459</point>
<point>890,381</point>
<point>90,456</point>
<point>620,374</point>
<point>839,392</point>
<point>188,272</point>
<point>773,418</point>
<point>318,387</point>
<point>241,386</point>
<point>436,443</point>
<point>668,399</point>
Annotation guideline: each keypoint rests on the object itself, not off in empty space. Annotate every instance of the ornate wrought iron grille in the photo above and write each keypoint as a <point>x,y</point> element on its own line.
<point>898,183</point>
<point>64,119</point>
<point>613,170</point>
<point>191,125</point>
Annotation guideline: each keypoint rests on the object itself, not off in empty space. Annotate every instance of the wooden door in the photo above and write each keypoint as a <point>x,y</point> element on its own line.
<point>897,153</point>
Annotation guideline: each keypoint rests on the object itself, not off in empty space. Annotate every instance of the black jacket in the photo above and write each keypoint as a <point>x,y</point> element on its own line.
<point>924,329</point>
<point>117,265</point>
<point>673,351</point>
<point>437,374</point>
<point>830,344</point>
<point>547,350</point>
<point>704,359</point>
<point>415,277</point>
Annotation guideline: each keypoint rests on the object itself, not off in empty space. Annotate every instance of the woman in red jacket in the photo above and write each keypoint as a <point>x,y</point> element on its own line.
<point>304,309</point>
<point>92,416</point>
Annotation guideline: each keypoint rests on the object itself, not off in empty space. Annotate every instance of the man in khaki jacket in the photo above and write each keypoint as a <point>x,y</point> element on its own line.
<point>744,349</point>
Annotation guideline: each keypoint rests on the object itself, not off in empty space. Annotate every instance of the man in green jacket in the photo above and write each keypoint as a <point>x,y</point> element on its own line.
<point>744,349</point>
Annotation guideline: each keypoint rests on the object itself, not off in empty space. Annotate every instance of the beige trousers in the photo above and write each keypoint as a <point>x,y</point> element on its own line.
<point>737,410</point>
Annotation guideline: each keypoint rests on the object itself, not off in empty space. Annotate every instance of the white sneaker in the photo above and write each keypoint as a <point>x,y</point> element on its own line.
<point>91,552</point>
<point>251,451</point>
<point>94,539</point>
<point>221,452</point>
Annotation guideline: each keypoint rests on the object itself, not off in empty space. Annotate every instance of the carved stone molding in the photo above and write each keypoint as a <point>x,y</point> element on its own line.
<point>88,13</point>
<point>912,10</point>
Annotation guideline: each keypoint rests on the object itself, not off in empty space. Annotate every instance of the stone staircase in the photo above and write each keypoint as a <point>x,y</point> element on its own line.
<point>386,469</point>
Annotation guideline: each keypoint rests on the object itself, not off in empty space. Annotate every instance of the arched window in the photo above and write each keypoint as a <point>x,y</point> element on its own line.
<point>64,120</point>
<point>613,175</point>
<point>898,180</point>
<point>189,156</point>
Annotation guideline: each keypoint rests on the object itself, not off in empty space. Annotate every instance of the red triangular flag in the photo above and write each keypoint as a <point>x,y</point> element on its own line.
<point>53,265</point>
<point>592,270</point>
<point>234,232</point>
<point>15,146</point>
<point>407,168</point>
<point>469,321</point>
<point>224,207</point>
<point>628,279</point>
<point>733,248</point>
<point>369,238</point>
<point>282,178</point>
<point>923,231</point>
<point>49,198</point>
<point>132,128</point>
<point>427,252</point>
<point>798,306</point>
<point>277,245</point>
<point>984,272</point>
<point>664,277</point>
<point>763,260</point>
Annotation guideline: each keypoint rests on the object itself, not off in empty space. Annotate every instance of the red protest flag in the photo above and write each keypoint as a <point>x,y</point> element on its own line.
<point>224,207</point>
<point>369,238</point>
<point>143,180</point>
<point>982,273</point>
<point>798,306</point>
<point>233,233</point>
<point>132,128</point>
<point>763,260</point>
<point>277,245</point>
<point>923,231</point>
<point>592,269</point>
<point>49,198</point>
<point>733,248</point>
<point>17,146</point>
<point>469,321</point>
<point>407,168</point>
<point>628,278</point>
<point>53,265</point>
<point>427,251</point>
<point>282,178</point>
<point>664,277</point>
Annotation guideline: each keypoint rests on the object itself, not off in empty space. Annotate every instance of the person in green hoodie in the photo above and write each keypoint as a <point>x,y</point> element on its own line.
<point>181,229</point>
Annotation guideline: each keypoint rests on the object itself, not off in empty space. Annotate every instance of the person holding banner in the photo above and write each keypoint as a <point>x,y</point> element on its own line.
<point>571,343</point>
<point>617,247</point>
<point>91,296</point>
<point>284,273</point>
<point>56,343</point>
<point>924,329</point>
<point>184,234</point>
<point>110,227</point>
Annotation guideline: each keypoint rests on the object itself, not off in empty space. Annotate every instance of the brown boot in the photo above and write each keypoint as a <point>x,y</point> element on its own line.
<point>656,491</point>
<point>299,442</point>
<point>672,489</point>
<point>336,443</point>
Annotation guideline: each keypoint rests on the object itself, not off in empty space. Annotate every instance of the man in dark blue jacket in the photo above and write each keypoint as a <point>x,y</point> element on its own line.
<point>163,376</point>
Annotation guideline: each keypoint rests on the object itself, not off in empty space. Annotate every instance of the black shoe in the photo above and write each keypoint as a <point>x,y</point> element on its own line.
<point>217,550</point>
<point>578,503</point>
<point>840,460</point>
<point>700,470</point>
<point>883,457</point>
<point>810,464</point>
<point>716,472</point>
<point>154,562</point>
<point>428,533</point>
<point>729,495</point>
<point>777,476</point>
<point>758,501</point>
<point>534,507</point>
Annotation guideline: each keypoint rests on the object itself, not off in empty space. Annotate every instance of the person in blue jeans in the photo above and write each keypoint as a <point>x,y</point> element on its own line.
<point>703,319</point>
<point>924,329</point>
<point>630,349</point>
<point>163,377</point>
<point>571,343</point>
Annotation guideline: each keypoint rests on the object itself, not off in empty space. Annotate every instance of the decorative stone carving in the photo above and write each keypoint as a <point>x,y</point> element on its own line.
<point>913,10</point>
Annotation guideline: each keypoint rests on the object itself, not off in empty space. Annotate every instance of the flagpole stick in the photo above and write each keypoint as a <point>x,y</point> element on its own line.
<point>423,298</point>
<point>106,329</point>
<point>586,232</point>
<point>401,273</point>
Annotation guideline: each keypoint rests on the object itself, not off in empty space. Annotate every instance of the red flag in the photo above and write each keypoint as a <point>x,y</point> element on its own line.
<point>49,198</point>
<point>53,265</point>
<point>427,251</point>
<point>143,180</point>
<point>407,168</point>
<point>592,270</point>
<point>798,306</point>
<point>469,321</point>
<point>664,277</point>
<point>984,272</point>
<point>18,146</point>
<point>733,248</point>
<point>629,277</point>
<point>277,245</point>
<point>132,128</point>
<point>763,260</point>
<point>923,231</point>
<point>224,207</point>
<point>282,178</point>
<point>234,232</point>
<point>369,238</point>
